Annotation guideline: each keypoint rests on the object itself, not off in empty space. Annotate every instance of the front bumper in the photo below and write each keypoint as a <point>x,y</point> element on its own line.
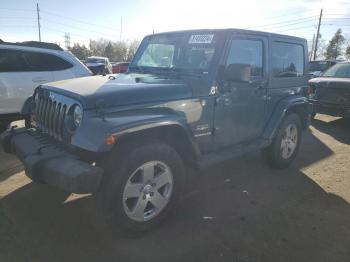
<point>47,162</point>
<point>330,108</point>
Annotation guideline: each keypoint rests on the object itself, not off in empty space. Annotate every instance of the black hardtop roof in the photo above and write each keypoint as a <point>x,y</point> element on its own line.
<point>238,31</point>
<point>35,44</point>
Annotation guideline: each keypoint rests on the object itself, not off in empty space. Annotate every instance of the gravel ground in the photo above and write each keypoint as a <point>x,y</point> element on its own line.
<point>238,211</point>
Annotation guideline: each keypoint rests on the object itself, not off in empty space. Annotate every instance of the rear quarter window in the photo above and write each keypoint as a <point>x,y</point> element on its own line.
<point>12,61</point>
<point>287,60</point>
<point>45,62</point>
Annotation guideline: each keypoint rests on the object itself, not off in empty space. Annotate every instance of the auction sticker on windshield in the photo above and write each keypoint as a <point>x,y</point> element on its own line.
<point>201,39</point>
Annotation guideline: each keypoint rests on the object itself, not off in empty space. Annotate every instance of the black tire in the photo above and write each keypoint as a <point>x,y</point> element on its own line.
<point>125,163</point>
<point>3,126</point>
<point>273,154</point>
<point>27,122</point>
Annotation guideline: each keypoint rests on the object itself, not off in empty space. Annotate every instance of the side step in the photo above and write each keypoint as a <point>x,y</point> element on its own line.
<point>231,152</point>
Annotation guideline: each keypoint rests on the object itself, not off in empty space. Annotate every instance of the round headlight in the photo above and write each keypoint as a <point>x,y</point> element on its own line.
<point>77,115</point>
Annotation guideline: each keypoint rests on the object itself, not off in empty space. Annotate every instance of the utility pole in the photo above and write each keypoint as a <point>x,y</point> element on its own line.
<point>318,34</point>
<point>312,48</point>
<point>38,15</point>
<point>67,40</point>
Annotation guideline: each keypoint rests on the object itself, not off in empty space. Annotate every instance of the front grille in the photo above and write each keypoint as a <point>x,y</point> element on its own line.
<point>50,114</point>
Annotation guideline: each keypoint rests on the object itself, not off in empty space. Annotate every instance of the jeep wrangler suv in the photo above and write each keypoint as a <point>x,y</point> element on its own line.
<point>190,98</point>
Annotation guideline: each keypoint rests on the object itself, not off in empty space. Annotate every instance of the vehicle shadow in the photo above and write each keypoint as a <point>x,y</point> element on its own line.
<point>335,128</point>
<point>10,165</point>
<point>240,210</point>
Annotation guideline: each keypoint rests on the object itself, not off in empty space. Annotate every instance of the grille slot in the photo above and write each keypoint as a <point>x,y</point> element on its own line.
<point>50,116</point>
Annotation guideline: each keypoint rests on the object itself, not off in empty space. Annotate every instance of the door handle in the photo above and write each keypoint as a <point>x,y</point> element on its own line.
<point>260,86</point>
<point>38,79</point>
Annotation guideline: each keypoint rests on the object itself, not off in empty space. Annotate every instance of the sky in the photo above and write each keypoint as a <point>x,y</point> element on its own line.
<point>133,19</point>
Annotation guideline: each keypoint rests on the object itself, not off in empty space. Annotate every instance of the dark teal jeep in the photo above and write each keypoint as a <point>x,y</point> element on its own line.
<point>190,98</point>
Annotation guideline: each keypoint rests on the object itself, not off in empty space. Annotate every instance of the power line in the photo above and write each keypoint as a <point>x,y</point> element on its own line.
<point>75,27</point>
<point>284,22</point>
<point>339,25</point>
<point>296,28</point>
<point>31,18</point>
<point>17,9</point>
<point>338,18</point>
<point>34,26</point>
<point>290,24</point>
<point>289,14</point>
<point>61,31</point>
<point>78,21</point>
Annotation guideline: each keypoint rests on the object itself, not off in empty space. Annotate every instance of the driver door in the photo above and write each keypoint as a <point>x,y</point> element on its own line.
<point>240,111</point>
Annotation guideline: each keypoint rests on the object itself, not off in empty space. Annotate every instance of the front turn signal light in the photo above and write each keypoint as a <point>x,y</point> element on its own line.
<point>110,140</point>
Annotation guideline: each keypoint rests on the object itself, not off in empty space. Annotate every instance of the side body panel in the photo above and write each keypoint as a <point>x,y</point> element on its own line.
<point>194,116</point>
<point>240,112</point>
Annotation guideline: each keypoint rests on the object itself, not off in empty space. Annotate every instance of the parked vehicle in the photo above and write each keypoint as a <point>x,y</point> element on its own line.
<point>120,67</point>
<point>190,98</point>
<point>316,68</point>
<point>24,66</point>
<point>330,93</point>
<point>99,65</point>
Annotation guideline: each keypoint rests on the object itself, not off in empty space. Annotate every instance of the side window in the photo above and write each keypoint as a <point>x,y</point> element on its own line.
<point>248,52</point>
<point>45,62</point>
<point>287,60</point>
<point>12,61</point>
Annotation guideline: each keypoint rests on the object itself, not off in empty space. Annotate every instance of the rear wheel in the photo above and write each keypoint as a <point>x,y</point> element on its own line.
<point>144,186</point>
<point>285,145</point>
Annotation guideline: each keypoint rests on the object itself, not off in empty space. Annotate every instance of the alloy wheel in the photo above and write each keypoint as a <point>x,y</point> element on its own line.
<point>289,141</point>
<point>147,191</point>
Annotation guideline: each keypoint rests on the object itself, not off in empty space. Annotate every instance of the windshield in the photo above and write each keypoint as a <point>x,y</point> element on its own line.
<point>319,65</point>
<point>95,60</point>
<point>191,52</point>
<point>338,70</point>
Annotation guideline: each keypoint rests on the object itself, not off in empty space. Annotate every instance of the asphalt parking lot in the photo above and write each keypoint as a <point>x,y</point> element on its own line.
<point>240,211</point>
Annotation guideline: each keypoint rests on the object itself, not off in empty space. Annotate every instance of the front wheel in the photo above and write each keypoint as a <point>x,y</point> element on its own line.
<point>3,126</point>
<point>285,145</point>
<point>145,186</point>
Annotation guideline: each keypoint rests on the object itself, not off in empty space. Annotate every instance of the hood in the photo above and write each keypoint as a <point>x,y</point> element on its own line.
<point>94,64</point>
<point>330,81</point>
<point>121,89</point>
<point>315,73</point>
<point>332,90</point>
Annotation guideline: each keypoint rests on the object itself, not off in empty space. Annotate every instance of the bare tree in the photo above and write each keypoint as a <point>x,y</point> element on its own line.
<point>334,48</point>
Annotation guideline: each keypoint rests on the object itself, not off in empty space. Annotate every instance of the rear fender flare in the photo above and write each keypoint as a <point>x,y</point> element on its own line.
<point>298,105</point>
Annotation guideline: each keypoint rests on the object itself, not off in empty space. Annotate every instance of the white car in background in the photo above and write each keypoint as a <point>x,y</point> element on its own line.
<point>26,65</point>
<point>99,65</point>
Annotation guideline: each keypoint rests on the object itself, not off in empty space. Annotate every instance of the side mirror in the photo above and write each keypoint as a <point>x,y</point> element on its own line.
<point>237,73</point>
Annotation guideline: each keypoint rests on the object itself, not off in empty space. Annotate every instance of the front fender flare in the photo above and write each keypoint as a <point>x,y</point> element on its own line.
<point>171,121</point>
<point>94,130</point>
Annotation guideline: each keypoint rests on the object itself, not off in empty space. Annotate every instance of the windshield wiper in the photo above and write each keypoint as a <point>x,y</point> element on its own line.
<point>138,69</point>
